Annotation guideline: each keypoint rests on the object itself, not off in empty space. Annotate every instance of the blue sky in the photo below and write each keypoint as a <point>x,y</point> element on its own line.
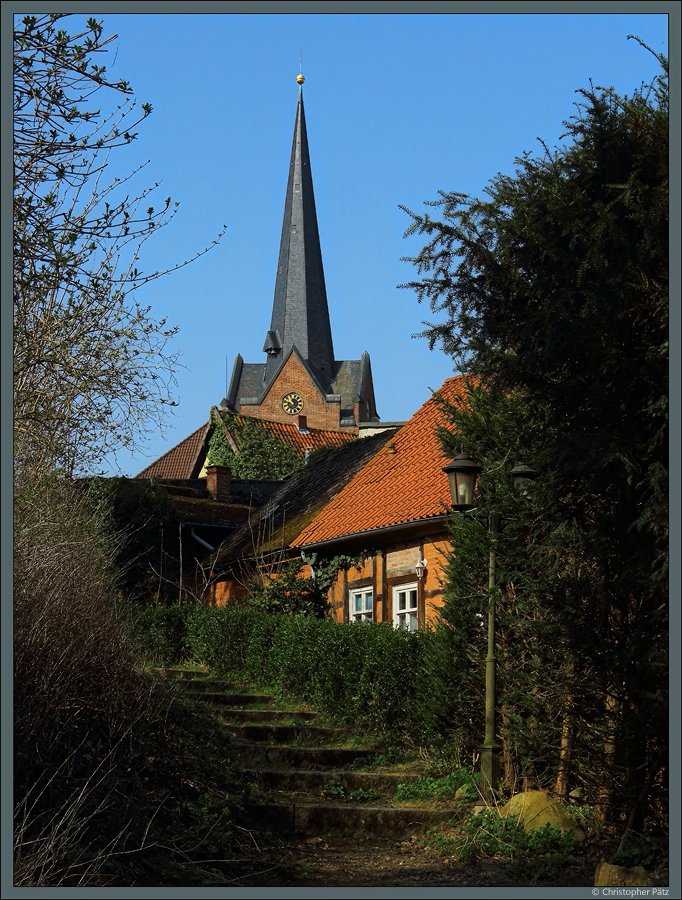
<point>398,107</point>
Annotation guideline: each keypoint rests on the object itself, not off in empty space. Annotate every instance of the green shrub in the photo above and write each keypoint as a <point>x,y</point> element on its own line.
<point>287,593</point>
<point>531,853</point>
<point>206,638</point>
<point>349,672</point>
<point>365,674</point>
<point>428,787</point>
<point>162,633</point>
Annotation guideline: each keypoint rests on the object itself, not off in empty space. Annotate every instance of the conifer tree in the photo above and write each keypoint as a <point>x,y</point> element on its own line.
<point>555,292</point>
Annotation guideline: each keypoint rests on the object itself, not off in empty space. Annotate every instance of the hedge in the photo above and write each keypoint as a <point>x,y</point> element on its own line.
<point>372,675</point>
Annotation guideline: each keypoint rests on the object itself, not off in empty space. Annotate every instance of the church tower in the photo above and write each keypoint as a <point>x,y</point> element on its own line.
<point>300,376</point>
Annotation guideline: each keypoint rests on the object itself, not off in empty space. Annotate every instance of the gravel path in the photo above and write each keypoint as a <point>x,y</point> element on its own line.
<point>316,862</point>
<point>320,862</point>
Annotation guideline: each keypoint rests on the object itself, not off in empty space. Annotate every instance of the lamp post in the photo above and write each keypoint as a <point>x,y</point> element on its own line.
<point>462,475</point>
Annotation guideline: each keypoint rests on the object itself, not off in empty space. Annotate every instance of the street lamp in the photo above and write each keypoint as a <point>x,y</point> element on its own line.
<point>521,476</point>
<point>462,475</point>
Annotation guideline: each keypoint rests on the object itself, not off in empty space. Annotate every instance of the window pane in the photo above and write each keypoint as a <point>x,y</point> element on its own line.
<point>405,606</point>
<point>362,606</point>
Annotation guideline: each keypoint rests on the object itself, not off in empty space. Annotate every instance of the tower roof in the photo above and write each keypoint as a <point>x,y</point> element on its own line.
<point>298,344</point>
<point>300,314</point>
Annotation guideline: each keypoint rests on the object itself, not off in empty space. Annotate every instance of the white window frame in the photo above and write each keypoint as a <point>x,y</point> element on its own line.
<point>361,605</point>
<point>407,617</point>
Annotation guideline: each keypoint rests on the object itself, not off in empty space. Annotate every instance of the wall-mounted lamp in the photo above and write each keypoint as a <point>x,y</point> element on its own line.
<point>420,568</point>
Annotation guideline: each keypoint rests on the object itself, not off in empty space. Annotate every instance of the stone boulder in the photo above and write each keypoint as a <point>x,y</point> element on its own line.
<point>466,792</point>
<point>618,876</point>
<point>534,810</point>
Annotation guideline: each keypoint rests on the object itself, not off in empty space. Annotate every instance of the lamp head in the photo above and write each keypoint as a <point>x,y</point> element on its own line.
<point>521,476</point>
<point>462,474</point>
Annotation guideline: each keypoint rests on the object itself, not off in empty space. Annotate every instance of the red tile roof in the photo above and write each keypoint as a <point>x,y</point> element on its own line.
<point>312,438</point>
<point>182,461</point>
<point>299,499</point>
<point>186,458</point>
<point>403,482</point>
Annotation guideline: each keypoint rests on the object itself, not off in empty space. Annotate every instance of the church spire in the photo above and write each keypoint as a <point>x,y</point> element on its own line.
<point>300,315</point>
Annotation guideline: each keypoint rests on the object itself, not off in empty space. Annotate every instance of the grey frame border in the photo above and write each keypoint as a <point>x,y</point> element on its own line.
<point>303,7</point>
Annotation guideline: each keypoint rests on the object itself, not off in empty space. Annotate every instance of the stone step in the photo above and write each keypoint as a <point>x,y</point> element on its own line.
<point>268,755</point>
<point>178,674</point>
<point>218,686</point>
<point>359,820</point>
<point>285,734</point>
<point>257,716</point>
<point>225,698</point>
<point>316,781</point>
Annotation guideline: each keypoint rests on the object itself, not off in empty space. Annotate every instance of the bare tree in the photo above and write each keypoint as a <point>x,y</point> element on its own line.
<point>92,369</point>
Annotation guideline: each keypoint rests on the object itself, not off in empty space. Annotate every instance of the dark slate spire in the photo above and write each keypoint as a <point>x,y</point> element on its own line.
<point>300,316</point>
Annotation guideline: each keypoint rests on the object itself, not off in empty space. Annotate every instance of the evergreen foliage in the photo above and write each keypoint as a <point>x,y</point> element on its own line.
<point>260,454</point>
<point>555,294</point>
<point>352,673</point>
<point>286,591</point>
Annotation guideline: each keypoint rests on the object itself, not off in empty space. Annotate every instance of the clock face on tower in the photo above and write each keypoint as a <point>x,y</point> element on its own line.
<point>292,403</point>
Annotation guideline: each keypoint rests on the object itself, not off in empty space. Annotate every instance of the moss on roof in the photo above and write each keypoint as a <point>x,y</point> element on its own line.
<point>204,511</point>
<point>300,499</point>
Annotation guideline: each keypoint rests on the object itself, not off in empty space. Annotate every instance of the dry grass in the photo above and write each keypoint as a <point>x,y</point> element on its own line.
<point>117,781</point>
<point>71,656</point>
<point>77,696</point>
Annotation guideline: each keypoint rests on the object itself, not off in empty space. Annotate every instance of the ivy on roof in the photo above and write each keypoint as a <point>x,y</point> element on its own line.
<point>260,454</point>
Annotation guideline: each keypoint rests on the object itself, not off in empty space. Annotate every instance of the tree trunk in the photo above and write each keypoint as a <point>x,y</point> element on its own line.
<point>612,711</point>
<point>561,784</point>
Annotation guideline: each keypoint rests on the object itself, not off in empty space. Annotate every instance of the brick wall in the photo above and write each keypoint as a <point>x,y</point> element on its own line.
<point>401,560</point>
<point>380,572</point>
<point>226,593</point>
<point>293,377</point>
<point>392,568</point>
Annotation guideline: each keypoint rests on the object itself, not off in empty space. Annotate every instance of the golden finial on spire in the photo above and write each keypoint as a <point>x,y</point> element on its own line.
<point>299,78</point>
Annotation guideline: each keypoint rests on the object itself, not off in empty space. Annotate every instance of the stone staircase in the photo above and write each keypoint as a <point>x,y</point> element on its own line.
<point>302,778</point>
